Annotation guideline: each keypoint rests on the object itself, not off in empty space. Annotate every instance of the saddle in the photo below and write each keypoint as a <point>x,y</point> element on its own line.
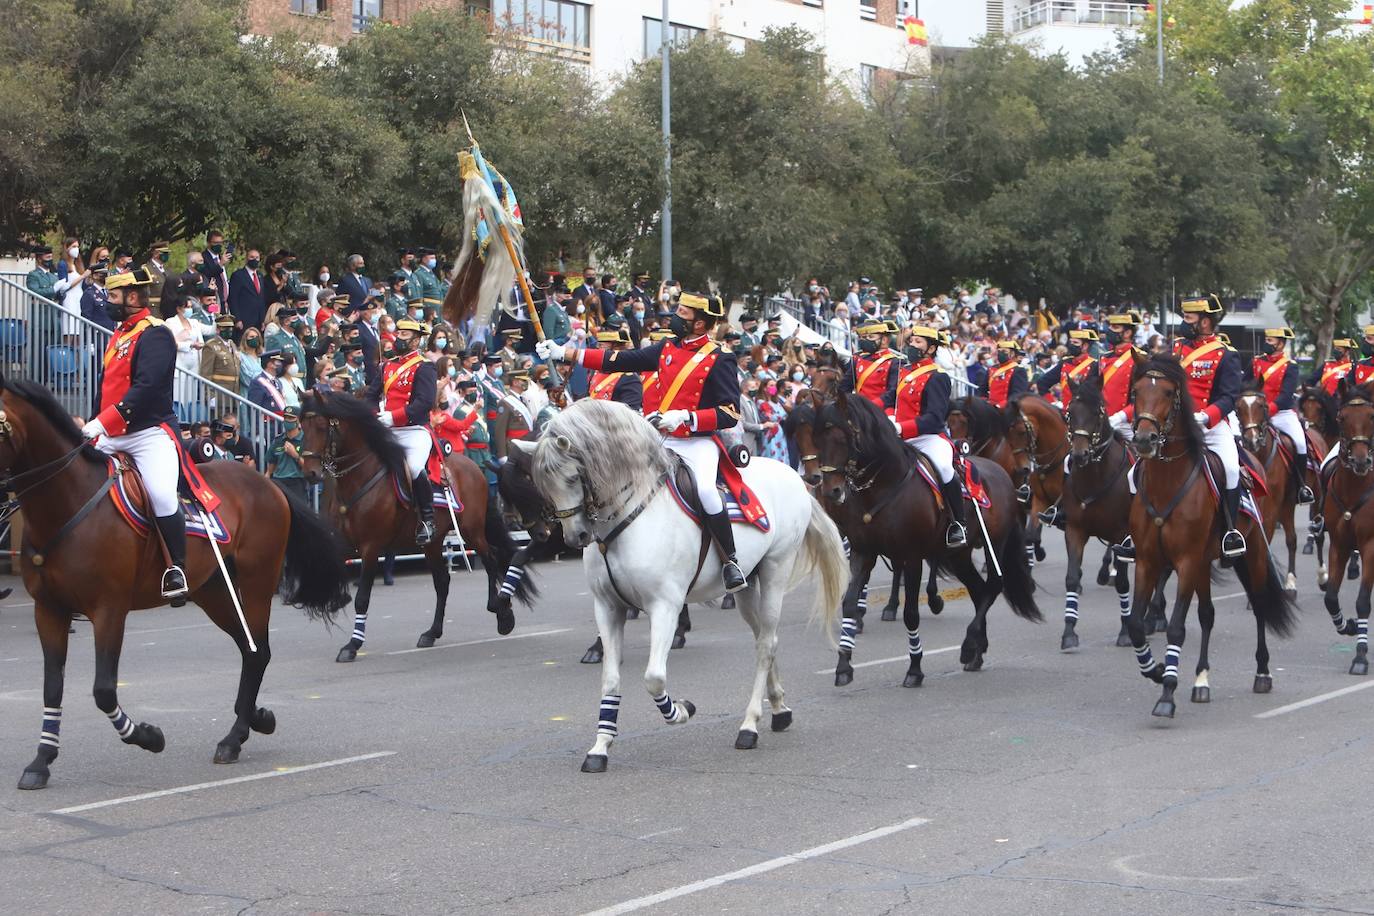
<point>966,470</point>
<point>741,504</point>
<point>441,494</point>
<point>130,498</point>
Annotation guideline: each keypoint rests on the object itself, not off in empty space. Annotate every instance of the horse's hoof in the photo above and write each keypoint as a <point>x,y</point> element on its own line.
<point>632,614</point>
<point>1202,695</point>
<point>592,656</point>
<point>1104,575</point>
<point>32,779</point>
<point>858,625</point>
<point>1039,554</point>
<point>844,678</point>
<point>1359,666</point>
<point>966,652</point>
<point>425,641</point>
<point>690,707</point>
<point>937,604</point>
<point>889,612</point>
<point>263,721</point>
<point>1164,709</point>
<point>594,763</point>
<point>1068,642</point>
<point>679,641</point>
<point>227,753</point>
<point>346,654</point>
<point>1263,683</point>
<point>1156,673</point>
<point>1307,549</point>
<point>1291,593</point>
<point>1349,628</point>
<point>913,679</point>
<point>746,740</point>
<point>1353,570</point>
<point>505,620</point>
<point>1322,577</point>
<point>976,664</point>
<point>781,721</point>
<point>148,737</point>
<point>1123,640</point>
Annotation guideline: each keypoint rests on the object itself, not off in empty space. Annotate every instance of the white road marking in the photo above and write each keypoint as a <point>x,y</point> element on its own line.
<point>649,836</point>
<point>888,661</point>
<point>640,903</point>
<point>478,642</point>
<point>182,790</point>
<point>1313,701</point>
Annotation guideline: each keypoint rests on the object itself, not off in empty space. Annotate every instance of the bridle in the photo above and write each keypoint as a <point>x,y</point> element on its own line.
<point>1347,442</point>
<point>856,478</point>
<point>1099,440</point>
<point>1163,427</point>
<point>1040,466</point>
<point>1261,427</point>
<point>330,460</point>
<point>41,474</point>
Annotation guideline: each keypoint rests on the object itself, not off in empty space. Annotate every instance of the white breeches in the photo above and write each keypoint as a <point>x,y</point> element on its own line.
<point>703,457</point>
<point>155,455</point>
<point>1287,422</point>
<point>1124,428</point>
<point>940,452</point>
<point>417,443</point>
<point>1222,440</point>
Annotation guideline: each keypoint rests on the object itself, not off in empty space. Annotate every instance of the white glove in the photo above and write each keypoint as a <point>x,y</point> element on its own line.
<point>385,418</point>
<point>1117,418</point>
<point>1202,419</point>
<point>896,424</point>
<point>547,349</point>
<point>672,420</point>
<point>93,430</point>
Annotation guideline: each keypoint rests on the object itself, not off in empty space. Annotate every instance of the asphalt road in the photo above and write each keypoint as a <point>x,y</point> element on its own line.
<point>446,780</point>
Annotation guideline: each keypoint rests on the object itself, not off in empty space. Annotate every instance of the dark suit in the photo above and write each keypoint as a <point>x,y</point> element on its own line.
<point>357,288</point>
<point>372,350</point>
<point>213,271</point>
<point>93,299</point>
<point>608,306</point>
<point>247,302</point>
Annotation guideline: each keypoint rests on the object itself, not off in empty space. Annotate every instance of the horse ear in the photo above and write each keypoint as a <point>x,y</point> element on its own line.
<point>564,443</point>
<point>1343,387</point>
<point>527,448</point>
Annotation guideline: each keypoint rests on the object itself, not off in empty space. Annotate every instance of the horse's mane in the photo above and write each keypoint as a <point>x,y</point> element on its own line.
<point>1330,426</point>
<point>621,457</point>
<point>1167,365</point>
<point>984,420</point>
<point>516,483</point>
<point>1089,391</point>
<point>363,418</point>
<point>45,404</point>
<point>875,435</point>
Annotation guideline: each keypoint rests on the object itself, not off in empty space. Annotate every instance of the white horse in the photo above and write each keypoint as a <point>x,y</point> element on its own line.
<point>603,469</point>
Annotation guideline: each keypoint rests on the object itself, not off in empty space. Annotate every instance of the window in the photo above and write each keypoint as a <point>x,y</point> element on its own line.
<point>309,7</point>
<point>816,3</point>
<point>653,35</point>
<point>563,22</point>
<point>364,11</point>
<point>868,74</point>
<point>868,9</point>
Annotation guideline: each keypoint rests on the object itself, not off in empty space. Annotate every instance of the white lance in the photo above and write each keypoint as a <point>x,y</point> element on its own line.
<point>228,582</point>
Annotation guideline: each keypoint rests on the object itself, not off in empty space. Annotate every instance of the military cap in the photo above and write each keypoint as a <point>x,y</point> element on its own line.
<point>613,336</point>
<point>43,249</point>
<point>642,275</point>
<point>1209,305</point>
<point>1129,317</point>
<point>350,347</point>
<point>891,326</point>
<point>1082,334</point>
<point>512,332</point>
<point>709,305</point>
<point>1009,344</point>
<point>615,321</point>
<point>269,355</point>
<point>291,412</point>
<point>920,330</point>
<point>225,320</point>
<point>430,301</point>
<point>1344,343</point>
<point>139,276</point>
<point>410,324</point>
<point>465,383</point>
<point>404,250</point>
<point>733,335</point>
<point>492,358</point>
<point>1287,333</point>
<point>300,295</point>
<point>424,251</point>
<point>518,374</point>
<point>661,334</point>
<point>397,277</point>
<point>872,327</point>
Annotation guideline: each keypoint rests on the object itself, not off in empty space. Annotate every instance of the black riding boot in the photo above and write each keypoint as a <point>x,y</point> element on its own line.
<point>956,535</point>
<point>1305,494</point>
<point>1232,542</point>
<point>719,527</point>
<point>173,530</point>
<point>423,493</point>
<point>1053,516</point>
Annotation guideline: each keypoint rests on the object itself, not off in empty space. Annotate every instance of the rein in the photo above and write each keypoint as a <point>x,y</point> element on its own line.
<point>1346,442</point>
<point>329,462</point>
<point>1163,427</point>
<point>1107,487</point>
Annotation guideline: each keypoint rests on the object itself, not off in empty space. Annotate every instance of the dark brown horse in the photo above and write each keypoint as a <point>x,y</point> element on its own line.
<point>1319,410</point>
<point>864,464</point>
<point>344,440</point>
<point>1349,512</point>
<point>982,431</point>
<point>1280,502</point>
<point>81,556</point>
<point>1175,522</point>
<point>1039,443</point>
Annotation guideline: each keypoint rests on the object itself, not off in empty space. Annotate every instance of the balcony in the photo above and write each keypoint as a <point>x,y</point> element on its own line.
<point>1096,13</point>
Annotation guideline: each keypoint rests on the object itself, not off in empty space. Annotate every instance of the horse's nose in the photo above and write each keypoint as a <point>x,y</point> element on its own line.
<point>836,494</point>
<point>811,480</point>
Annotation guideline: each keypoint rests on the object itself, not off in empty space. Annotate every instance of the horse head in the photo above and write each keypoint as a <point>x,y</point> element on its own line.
<point>315,428</point>
<point>1163,408</point>
<point>834,448</point>
<point>559,473</point>
<point>805,409</point>
<point>1088,426</point>
<point>1356,419</point>
<point>1252,410</point>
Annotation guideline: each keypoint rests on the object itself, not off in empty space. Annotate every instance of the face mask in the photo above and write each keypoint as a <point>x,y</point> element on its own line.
<point>589,281</point>
<point>1113,338</point>
<point>868,346</point>
<point>253,263</point>
<point>217,248</point>
<point>163,257</point>
<point>226,334</point>
<point>417,314</point>
<point>291,369</point>
<point>114,309</point>
<point>798,376</point>
<point>250,342</point>
<point>1187,331</point>
<point>470,397</point>
<point>1075,350</point>
<point>430,262</point>
<point>678,325</point>
<point>374,318</point>
<point>73,252</point>
<point>324,278</point>
<point>813,288</point>
<point>292,427</point>
<point>47,262</point>
<point>1268,349</point>
<point>452,371</point>
<point>401,347</point>
<point>581,308</point>
<point>1003,357</point>
<point>1366,348</point>
<point>639,314</point>
<point>440,343</point>
<point>771,389</point>
<point>498,371</point>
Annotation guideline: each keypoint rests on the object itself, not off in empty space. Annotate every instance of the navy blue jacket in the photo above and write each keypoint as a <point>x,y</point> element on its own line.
<point>357,288</point>
<point>247,304</point>
<point>148,402</point>
<point>93,301</point>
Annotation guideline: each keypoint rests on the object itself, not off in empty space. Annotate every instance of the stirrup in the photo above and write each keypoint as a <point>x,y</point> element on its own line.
<point>1052,516</point>
<point>424,532</point>
<point>174,582</point>
<point>1125,551</point>
<point>956,535</point>
<point>1305,495</point>
<point>733,576</point>
<point>1023,493</point>
<point>1232,544</point>
<point>1316,526</point>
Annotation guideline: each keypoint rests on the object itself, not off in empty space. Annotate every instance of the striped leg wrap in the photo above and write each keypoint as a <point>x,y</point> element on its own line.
<point>666,707</point>
<point>1030,554</point>
<point>1144,658</point>
<point>122,723</point>
<point>863,601</point>
<point>1071,605</point>
<point>845,543</point>
<point>610,713</point>
<point>1171,655</point>
<point>360,627</point>
<point>913,643</point>
<point>52,726</point>
<point>512,580</point>
<point>1123,599</point>
<point>848,628</point>
<point>1361,633</point>
<point>1337,617</point>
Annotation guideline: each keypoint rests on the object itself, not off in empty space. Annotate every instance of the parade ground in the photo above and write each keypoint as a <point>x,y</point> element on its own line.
<point>446,780</point>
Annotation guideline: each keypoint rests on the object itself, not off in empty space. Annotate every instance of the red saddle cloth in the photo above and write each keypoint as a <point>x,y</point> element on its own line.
<point>1316,449</point>
<point>965,469</point>
<point>131,500</point>
<point>1252,474</point>
<point>742,505</point>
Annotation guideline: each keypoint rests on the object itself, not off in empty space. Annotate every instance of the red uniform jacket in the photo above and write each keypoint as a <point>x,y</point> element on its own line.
<point>136,376</point>
<point>922,400</point>
<point>1116,368</point>
<point>876,377</point>
<point>1213,376</point>
<point>1004,382</point>
<point>1278,376</point>
<point>695,375</point>
<point>1332,373</point>
<point>649,382</point>
<point>408,386</point>
<point>449,431</point>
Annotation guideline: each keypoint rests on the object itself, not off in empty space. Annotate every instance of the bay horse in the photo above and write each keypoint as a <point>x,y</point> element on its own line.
<point>81,556</point>
<point>1346,511</point>
<point>981,430</point>
<point>1319,411</point>
<point>605,469</point>
<point>1280,503</point>
<point>1039,442</point>
<point>1175,521</point>
<point>865,463</point>
<point>1096,500</point>
<point>344,440</point>
<point>523,506</point>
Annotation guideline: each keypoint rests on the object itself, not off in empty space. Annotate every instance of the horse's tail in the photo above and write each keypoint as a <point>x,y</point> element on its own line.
<point>1018,585</point>
<point>1264,588</point>
<point>503,550</point>
<point>314,576</point>
<point>823,551</point>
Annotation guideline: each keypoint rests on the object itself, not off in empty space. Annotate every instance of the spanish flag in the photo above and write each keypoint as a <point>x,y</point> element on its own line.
<point>1367,16</point>
<point>916,31</point>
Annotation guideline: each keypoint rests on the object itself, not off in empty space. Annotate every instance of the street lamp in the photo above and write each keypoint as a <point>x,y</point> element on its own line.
<point>666,221</point>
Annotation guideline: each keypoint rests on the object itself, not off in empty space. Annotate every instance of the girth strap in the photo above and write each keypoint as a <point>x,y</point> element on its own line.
<point>36,556</point>
<point>1161,517</point>
<point>363,490</point>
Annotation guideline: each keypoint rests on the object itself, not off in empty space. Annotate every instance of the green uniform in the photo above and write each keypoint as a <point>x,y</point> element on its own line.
<point>478,448</point>
<point>557,324</point>
<point>285,341</point>
<point>357,377</point>
<point>283,464</point>
<point>425,283</point>
<point>748,340</point>
<point>41,282</point>
<point>395,305</point>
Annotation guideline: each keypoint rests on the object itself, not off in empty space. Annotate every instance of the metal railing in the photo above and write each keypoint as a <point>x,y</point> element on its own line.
<point>42,341</point>
<point>1079,12</point>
